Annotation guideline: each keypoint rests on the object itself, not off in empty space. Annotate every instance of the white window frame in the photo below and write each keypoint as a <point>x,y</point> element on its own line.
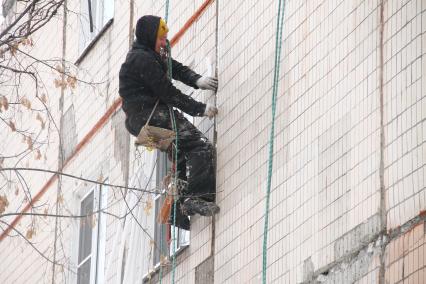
<point>89,256</point>
<point>97,254</point>
<point>102,12</point>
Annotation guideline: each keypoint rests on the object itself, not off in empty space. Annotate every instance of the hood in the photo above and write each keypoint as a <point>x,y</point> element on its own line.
<point>146,30</point>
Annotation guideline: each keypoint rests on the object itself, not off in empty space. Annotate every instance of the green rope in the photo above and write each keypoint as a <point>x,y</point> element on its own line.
<point>166,17</point>
<point>278,38</point>
<point>169,69</point>
<point>169,73</point>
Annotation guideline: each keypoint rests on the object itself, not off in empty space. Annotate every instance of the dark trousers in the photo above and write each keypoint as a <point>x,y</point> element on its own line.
<point>195,152</point>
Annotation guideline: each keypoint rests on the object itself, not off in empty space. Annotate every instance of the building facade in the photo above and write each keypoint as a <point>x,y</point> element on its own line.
<point>348,181</point>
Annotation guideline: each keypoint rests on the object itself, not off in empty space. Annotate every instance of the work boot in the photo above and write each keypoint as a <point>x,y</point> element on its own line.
<point>194,205</point>
<point>182,221</point>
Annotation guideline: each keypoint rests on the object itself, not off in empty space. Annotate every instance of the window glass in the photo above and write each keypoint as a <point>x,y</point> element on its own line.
<point>83,273</point>
<point>85,243</point>
<point>85,240</point>
<point>94,14</point>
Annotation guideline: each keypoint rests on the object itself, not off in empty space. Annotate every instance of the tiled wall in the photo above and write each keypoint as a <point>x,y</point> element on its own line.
<point>326,177</point>
<point>405,100</point>
<point>405,257</point>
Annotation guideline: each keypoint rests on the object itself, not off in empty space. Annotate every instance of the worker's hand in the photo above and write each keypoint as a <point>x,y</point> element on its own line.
<point>207,83</point>
<point>210,111</point>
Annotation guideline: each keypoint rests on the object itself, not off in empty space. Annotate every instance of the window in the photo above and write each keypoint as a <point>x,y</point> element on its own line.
<point>91,237</point>
<point>163,232</point>
<point>85,241</point>
<point>68,133</point>
<point>94,15</point>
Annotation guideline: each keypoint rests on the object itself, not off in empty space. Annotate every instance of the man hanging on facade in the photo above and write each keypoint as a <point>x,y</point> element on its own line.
<point>146,89</point>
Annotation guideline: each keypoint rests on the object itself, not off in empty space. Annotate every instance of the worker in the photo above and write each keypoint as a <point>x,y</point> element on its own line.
<point>143,80</point>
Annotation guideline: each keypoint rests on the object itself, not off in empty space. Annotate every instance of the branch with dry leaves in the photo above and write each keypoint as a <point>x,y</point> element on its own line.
<point>81,179</point>
<point>34,16</point>
<point>27,240</point>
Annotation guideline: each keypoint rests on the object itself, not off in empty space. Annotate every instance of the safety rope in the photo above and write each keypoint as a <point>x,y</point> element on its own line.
<point>172,115</point>
<point>278,38</point>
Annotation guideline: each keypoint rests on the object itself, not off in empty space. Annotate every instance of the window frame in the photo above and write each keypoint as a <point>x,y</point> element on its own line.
<point>98,242</point>
<point>162,169</point>
<point>89,256</point>
<point>102,19</point>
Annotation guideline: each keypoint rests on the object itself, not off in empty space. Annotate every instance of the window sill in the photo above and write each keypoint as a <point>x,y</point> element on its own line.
<point>153,275</point>
<point>93,42</point>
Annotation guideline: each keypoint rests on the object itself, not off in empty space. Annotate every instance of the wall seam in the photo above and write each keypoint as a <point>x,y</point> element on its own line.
<point>382,210</point>
<point>61,149</point>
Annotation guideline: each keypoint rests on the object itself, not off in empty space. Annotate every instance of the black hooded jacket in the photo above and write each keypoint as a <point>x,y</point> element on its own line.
<point>143,76</point>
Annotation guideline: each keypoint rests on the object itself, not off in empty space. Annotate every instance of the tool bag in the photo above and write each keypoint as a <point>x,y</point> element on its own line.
<point>155,137</point>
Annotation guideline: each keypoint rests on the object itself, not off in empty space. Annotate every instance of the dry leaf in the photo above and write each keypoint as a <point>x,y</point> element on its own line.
<point>29,143</point>
<point>164,260</point>
<point>3,203</point>
<point>45,212</point>
<point>12,126</point>
<point>59,68</point>
<point>151,242</point>
<point>30,233</point>
<point>39,118</point>
<point>13,49</point>
<point>100,178</point>
<point>37,154</point>
<point>60,199</point>
<point>1,162</point>
<point>16,190</point>
<point>4,103</point>
<point>59,83</point>
<point>72,81</point>
<point>28,41</point>
<point>26,103</point>
<point>148,207</point>
<point>44,98</point>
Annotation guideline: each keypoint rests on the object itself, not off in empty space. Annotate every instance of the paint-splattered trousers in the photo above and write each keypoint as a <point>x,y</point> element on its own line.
<point>195,152</point>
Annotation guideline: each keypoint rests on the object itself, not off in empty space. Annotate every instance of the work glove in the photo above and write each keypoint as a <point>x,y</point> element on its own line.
<point>210,111</point>
<point>207,83</point>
